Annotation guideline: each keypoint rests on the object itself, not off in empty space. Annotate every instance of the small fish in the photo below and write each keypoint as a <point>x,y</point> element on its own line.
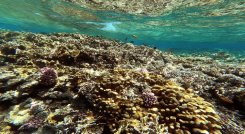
<point>135,36</point>
<point>126,39</point>
<point>132,41</point>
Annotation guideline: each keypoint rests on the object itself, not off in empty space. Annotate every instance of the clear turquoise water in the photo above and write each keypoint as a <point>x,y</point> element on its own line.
<point>186,28</point>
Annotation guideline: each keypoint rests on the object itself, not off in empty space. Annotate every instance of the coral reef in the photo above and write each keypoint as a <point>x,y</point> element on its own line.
<point>104,86</point>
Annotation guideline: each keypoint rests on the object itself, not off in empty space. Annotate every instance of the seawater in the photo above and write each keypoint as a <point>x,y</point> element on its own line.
<point>191,29</point>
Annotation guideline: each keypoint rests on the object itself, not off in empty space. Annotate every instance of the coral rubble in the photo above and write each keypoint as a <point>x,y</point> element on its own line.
<point>72,83</point>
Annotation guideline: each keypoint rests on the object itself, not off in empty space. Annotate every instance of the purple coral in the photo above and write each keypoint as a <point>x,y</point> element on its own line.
<point>149,99</point>
<point>48,76</point>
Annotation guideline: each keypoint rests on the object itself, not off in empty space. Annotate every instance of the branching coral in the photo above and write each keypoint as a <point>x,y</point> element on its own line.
<point>175,111</point>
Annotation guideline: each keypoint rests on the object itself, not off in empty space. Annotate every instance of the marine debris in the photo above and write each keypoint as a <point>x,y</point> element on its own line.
<point>73,83</point>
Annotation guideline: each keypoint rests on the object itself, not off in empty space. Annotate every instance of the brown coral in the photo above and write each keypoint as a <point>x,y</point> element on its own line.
<point>177,110</point>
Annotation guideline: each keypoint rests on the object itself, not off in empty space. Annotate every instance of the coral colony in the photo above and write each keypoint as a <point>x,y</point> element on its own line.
<point>48,76</point>
<point>149,98</point>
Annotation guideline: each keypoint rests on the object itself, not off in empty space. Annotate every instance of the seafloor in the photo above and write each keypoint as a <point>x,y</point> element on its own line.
<point>72,83</point>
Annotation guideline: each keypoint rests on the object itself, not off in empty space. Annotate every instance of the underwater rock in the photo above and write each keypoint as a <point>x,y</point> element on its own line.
<point>8,50</point>
<point>18,115</point>
<point>26,116</point>
<point>5,76</point>
<point>239,100</point>
<point>33,124</point>
<point>232,79</point>
<point>9,96</point>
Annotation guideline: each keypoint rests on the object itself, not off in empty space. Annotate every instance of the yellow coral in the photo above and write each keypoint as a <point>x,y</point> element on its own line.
<point>177,110</point>
<point>50,119</point>
<point>6,130</point>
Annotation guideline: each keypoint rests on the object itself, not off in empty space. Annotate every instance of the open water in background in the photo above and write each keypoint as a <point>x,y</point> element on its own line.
<point>190,29</point>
